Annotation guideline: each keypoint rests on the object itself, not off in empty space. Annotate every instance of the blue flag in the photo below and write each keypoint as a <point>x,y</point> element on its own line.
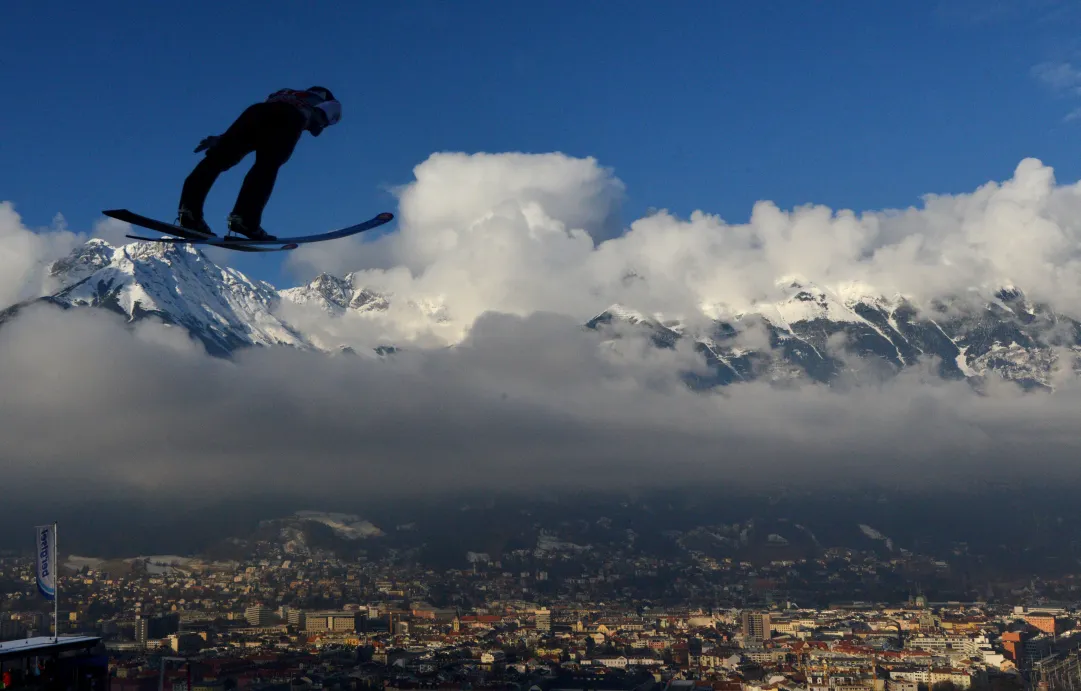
<point>46,558</point>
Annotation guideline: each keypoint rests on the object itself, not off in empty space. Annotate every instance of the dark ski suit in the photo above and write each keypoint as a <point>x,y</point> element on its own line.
<point>271,129</point>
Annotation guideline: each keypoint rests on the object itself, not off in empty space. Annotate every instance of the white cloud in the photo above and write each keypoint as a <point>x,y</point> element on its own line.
<point>462,203</point>
<point>524,403</point>
<point>512,251</point>
<point>517,233</point>
<point>25,255</point>
<point>514,234</point>
<point>1062,77</point>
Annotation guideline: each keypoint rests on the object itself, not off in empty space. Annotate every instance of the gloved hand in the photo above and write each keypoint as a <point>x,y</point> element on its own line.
<point>207,143</point>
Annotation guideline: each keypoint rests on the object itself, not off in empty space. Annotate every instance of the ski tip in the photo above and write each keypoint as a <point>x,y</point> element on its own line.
<point>385,216</point>
<point>290,246</point>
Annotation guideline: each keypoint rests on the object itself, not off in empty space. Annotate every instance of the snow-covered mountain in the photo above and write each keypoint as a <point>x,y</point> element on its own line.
<point>812,332</point>
<point>337,295</point>
<point>178,284</point>
<point>809,333</point>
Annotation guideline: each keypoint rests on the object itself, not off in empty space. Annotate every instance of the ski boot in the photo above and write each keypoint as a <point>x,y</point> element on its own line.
<point>185,218</point>
<point>238,226</point>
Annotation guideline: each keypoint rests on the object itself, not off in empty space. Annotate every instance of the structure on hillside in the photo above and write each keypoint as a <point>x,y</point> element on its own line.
<point>72,662</point>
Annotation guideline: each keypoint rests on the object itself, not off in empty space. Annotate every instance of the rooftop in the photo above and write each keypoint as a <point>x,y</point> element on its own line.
<point>44,645</point>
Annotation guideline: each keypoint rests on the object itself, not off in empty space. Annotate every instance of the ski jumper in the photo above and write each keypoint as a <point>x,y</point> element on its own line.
<point>270,129</point>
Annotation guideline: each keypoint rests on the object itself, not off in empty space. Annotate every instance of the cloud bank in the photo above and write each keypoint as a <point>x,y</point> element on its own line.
<point>511,253</point>
<point>523,403</point>
<point>474,237</point>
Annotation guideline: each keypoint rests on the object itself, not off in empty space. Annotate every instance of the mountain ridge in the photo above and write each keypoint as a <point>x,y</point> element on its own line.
<point>810,333</point>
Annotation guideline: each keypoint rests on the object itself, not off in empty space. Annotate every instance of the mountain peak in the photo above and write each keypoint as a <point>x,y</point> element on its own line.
<point>333,289</point>
<point>82,261</point>
<point>622,313</point>
<point>337,295</point>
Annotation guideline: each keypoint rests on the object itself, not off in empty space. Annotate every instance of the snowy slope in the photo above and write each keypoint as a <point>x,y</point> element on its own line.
<point>807,303</point>
<point>293,535</point>
<point>344,525</point>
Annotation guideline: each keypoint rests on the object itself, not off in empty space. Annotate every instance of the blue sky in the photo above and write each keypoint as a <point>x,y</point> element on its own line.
<point>696,105</point>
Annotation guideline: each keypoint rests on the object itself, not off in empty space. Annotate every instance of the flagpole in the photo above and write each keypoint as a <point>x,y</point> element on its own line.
<point>56,588</point>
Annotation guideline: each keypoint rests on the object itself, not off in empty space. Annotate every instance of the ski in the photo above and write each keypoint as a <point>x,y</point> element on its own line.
<point>184,235</point>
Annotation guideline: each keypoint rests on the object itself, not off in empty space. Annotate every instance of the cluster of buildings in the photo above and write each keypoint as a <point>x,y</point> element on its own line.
<point>574,620</point>
<point>393,639</point>
<point>524,645</point>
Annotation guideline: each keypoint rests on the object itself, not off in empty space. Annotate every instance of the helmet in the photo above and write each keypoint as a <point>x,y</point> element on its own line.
<point>330,106</point>
<point>322,92</point>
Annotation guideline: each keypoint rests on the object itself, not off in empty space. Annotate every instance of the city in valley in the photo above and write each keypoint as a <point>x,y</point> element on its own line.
<point>559,615</point>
